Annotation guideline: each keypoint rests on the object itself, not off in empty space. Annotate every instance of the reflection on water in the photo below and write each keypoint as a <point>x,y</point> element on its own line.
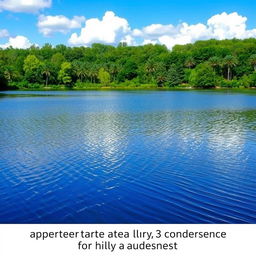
<point>125,157</point>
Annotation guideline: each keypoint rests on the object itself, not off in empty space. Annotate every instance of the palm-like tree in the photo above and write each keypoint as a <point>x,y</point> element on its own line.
<point>150,68</point>
<point>113,70</point>
<point>80,70</point>
<point>190,62</point>
<point>161,78</point>
<point>93,73</point>
<point>215,62</point>
<point>47,73</point>
<point>230,61</point>
<point>253,61</point>
<point>161,73</point>
<point>8,75</point>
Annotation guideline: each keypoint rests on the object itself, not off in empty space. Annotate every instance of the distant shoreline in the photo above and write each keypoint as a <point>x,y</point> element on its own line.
<point>217,89</point>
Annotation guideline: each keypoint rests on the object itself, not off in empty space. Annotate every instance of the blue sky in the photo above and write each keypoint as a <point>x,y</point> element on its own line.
<point>57,20</point>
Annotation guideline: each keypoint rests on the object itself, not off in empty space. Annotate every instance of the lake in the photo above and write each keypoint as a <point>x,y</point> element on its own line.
<point>127,157</point>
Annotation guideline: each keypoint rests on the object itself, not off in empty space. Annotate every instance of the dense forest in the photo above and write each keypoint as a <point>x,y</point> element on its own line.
<point>204,64</point>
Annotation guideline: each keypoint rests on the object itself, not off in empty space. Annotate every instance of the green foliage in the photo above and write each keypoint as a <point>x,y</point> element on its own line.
<point>174,76</point>
<point>47,71</point>
<point>231,62</point>
<point>128,71</point>
<point>3,80</point>
<point>203,76</point>
<point>248,80</point>
<point>253,61</point>
<point>245,81</point>
<point>187,73</point>
<point>252,79</point>
<point>224,83</point>
<point>57,59</point>
<point>190,62</point>
<point>65,73</point>
<point>32,66</point>
<point>104,77</point>
<point>86,85</point>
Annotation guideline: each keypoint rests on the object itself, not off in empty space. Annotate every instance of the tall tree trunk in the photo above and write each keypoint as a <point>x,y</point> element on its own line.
<point>228,73</point>
<point>46,81</point>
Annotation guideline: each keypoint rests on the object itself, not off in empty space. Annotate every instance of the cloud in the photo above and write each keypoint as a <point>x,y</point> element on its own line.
<point>220,26</point>
<point>4,33</point>
<point>171,35</point>
<point>48,25</point>
<point>110,30</point>
<point>228,26</point>
<point>27,6</point>
<point>20,42</point>
<point>155,30</point>
<point>113,29</point>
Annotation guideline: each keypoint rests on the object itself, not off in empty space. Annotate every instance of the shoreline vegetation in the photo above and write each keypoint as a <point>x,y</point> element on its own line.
<point>140,88</point>
<point>212,64</point>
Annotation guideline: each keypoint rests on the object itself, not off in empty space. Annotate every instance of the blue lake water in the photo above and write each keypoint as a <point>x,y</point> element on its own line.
<point>127,157</point>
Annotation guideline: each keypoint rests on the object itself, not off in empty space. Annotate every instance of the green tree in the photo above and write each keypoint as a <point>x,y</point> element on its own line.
<point>104,77</point>
<point>113,70</point>
<point>31,67</point>
<point>252,78</point>
<point>203,76</point>
<point>93,72</point>
<point>253,61</point>
<point>65,73</point>
<point>150,68</point>
<point>230,61</point>
<point>215,62</point>
<point>134,65</point>
<point>174,77</point>
<point>128,72</point>
<point>80,70</point>
<point>161,74</point>
<point>3,80</point>
<point>57,59</point>
<point>47,71</point>
<point>190,62</point>
<point>10,73</point>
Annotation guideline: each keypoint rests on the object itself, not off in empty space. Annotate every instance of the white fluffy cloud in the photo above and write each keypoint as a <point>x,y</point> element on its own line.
<point>171,35</point>
<point>4,33</point>
<point>155,30</point>
<point>220,26</point>
<point>48,25</point>
<point>20,42</point>
<point>110,30</point>
<point>113,29</point>
<point>28,6</point>
<point>228,26</point>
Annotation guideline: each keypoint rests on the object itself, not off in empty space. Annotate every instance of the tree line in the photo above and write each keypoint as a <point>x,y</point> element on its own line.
<point>204,64</point>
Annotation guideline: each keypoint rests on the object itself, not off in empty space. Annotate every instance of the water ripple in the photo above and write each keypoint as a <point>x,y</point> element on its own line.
<point>106,158</point>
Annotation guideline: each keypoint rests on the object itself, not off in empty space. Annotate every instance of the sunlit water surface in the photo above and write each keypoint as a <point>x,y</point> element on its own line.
<point>127,157</point>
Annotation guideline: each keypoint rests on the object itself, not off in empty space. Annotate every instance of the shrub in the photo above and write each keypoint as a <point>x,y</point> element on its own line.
<point>230,83</point>
<point>245,81</point>
<point>253,79</point>
<point>104,77</point>
<point>203,76</point>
